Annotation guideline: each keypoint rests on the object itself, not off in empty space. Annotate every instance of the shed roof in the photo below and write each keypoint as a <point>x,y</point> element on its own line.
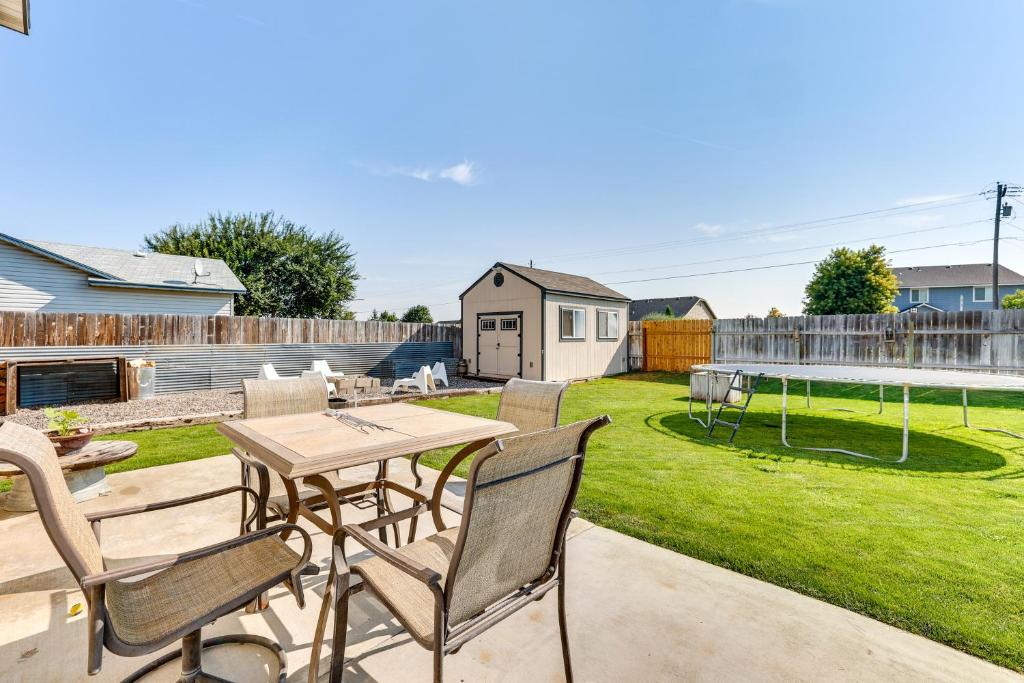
<point>143,270</point>
<point>959,275</point>
<point>558,283</point>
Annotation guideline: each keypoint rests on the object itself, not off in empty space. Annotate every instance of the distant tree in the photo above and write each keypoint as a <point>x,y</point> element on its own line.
<point>668,312</point>
<point>658,316</point>
<point>384,316</point>
<point>774,313</point>
<point>288,270</point>
<point>417,314</point>
<point>1015,300</point>
<point>852,281</point>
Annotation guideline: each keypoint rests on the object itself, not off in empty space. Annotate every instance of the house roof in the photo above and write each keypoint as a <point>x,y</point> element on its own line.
<point>960,275</point>
<point>137,270</point>
<point>558,283</point>
<point>681,305</point>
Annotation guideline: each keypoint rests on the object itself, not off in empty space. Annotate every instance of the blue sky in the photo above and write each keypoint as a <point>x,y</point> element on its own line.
<point>623,140</point>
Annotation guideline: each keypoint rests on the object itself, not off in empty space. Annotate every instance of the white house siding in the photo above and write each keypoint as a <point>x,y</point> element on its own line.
<point>34,283</point>
<point>515,294</point>
<point>591,357</point>
<point>699,312</point>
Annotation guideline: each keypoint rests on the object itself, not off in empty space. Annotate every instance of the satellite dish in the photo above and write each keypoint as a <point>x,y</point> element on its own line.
<point>199,271</point>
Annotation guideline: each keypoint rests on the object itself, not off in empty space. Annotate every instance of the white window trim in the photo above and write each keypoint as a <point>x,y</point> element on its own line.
<point>581,330</point>
<point>910,295</point>
<point>974,294</point>
<point>488,329</point>
<point>618,321</point>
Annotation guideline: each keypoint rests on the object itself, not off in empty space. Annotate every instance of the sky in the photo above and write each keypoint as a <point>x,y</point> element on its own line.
<point>650,145</point>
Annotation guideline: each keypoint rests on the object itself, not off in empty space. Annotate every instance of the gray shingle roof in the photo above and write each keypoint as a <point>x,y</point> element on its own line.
<point>119,267</point>
<point>681,305</point>
<point>564,283</point>
<point>961,275</point>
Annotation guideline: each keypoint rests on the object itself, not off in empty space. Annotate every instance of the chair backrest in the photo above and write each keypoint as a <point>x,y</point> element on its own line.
<point>323,367</point>
<point>267,371</point>
<point>67,527</point>
<point>531,406</point>
<point>519,497</point>
<point>267,398</point>
<point>439,370</point>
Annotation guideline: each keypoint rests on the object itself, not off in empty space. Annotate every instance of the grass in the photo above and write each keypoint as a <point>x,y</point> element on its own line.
<point>933,546</point>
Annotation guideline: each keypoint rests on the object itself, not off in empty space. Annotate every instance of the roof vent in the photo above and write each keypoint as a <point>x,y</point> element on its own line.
<point>140,254</point>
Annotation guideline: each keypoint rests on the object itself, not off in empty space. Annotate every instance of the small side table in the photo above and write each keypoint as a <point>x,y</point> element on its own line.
<point>83,471</point>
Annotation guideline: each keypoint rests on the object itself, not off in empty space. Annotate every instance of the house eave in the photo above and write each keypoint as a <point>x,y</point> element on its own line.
<point>101,282</point>
<point>38,251</point>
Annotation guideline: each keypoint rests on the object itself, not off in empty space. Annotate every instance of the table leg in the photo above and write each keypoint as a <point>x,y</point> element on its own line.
<point>413,462</point>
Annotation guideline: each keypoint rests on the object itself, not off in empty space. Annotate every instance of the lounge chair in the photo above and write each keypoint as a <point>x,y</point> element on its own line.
<point>324,369</point>
<point>171,597</point>
<point>440,373</point>
<point>267,371</point>
<point>530,405</point>
<point>423,380</point>
<point>508,552</point>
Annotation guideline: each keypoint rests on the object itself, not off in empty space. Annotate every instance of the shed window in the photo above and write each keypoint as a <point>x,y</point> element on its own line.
<point>607,324</point>
<point>983,294</point>
<point>486,324</point>
<point>573,323</point>
<point>509,324</point>
<point>919,295</point>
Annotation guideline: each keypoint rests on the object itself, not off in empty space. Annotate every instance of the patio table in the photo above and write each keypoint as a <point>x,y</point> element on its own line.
<point>307,446</point>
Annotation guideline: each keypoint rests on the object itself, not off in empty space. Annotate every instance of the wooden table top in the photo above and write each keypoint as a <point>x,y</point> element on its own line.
<point>312,443</point>
<point>93,454</point>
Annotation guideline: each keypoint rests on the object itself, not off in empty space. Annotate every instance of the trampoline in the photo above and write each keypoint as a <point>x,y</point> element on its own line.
<point>882,377</point>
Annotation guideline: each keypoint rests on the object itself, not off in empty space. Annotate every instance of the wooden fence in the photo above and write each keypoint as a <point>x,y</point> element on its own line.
<point>990,341</point>
<point>112,329</point>
<point>675,345</point>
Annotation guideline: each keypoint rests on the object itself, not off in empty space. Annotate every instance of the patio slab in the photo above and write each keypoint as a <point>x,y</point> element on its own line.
<point>636,611</point>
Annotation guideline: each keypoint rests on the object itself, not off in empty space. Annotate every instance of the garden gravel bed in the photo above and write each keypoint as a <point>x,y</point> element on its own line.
<point>199,406</point>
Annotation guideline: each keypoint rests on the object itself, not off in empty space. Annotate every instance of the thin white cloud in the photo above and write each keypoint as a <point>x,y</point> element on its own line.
<point>464,173</point>
<point>461,174</point>
<point>711,230</point>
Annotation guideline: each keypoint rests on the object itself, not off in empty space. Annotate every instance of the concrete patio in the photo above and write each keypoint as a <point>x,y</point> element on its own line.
<point>636,611</point>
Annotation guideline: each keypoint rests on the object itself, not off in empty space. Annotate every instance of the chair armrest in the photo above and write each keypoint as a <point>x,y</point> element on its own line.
<point>303,566</point>
<point>163,505</point>
<point>442,479</point>
<point>408,565</point>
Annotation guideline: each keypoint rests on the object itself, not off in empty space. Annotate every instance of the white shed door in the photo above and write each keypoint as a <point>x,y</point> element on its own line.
<point>499,345</point>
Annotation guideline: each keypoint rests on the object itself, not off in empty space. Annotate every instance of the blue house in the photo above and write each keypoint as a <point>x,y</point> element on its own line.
<point>964,287</point>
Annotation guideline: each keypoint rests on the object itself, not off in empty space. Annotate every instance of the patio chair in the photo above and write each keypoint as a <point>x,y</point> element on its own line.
<point>440,373</point>
<point>422,380</point>
<point>267,371</point>
<point>530,405</point>
<point>172,597</point>
<point>508,551</point>
<point>331,390</point>
<point>324,368</point>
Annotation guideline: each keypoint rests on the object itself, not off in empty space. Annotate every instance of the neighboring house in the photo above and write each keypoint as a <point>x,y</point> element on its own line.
<point>539,324</point>
<point>51,277</point>
<point>964,287</point>
<point>690,307</point>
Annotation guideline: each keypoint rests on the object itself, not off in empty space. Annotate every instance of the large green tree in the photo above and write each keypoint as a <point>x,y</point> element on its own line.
<point>288,270</point>
<point>852,281</point>
<point>417,314</point>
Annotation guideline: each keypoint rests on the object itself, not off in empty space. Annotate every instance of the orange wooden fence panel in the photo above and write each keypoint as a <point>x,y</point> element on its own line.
<point>676,345</point>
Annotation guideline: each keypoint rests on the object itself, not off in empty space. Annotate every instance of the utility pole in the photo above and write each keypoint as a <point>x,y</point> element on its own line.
<point>1000,193</point>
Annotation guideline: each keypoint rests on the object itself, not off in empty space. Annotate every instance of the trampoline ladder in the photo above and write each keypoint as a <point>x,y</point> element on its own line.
<point>735,384</point>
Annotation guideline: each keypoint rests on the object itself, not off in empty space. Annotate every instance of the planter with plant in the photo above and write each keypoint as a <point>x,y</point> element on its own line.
<point>66,431</point>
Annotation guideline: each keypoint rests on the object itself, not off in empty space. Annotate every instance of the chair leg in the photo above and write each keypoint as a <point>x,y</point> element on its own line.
<point>438,665</point>
<point>340,633</point>
<point>563,629</point>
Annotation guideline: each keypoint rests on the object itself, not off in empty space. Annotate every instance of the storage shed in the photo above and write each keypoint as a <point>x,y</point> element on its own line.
<point>539,324</point>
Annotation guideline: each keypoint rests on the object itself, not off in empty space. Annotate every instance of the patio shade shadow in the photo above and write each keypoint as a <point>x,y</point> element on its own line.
<point>761,434</point>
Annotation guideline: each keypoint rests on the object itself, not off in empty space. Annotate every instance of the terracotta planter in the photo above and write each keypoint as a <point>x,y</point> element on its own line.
<point>71,442</point>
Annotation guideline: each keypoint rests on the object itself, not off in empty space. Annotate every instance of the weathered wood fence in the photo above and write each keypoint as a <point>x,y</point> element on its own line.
<point>675,345</point>
<point>991,341</point>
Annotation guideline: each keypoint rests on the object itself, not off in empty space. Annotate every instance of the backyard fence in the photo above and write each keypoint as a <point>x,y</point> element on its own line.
<point>990,341</point>
<point>675,345</point>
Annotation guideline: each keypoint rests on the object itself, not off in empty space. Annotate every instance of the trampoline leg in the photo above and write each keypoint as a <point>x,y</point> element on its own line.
<point>906,424</point>
<point>967,423</point>
<point>785,396</point>
<point>881,398</point>
<point>808,394</point>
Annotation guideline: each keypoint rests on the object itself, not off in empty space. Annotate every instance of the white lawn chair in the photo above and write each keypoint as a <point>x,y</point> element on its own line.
<point>323,368</point>
<point>267,371</point>
<point>440,373</point>
<point>332,391</point>
<point>422,380</point>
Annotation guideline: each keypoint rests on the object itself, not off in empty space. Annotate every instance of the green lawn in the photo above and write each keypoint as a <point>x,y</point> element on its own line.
<point>932,546</point>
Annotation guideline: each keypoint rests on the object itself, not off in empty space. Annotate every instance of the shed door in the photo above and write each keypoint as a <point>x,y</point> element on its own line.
<point>499,344</point>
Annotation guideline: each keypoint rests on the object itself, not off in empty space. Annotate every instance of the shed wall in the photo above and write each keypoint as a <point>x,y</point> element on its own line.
<point>515,294</point>
<point>591,357</point>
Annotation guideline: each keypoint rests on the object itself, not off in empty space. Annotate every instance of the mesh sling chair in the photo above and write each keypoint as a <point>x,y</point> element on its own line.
<point>529,405</point>
<point>170,598</point>
<point>508,551</point>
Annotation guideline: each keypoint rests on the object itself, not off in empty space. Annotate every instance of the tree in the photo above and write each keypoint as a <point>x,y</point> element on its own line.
<point>668,312</point>
<point>384,316</point>
<point>417,314</point>
<point>287,269</point>
<point>852,281</point>
<point>1015,300</point>
<point>774,313</point>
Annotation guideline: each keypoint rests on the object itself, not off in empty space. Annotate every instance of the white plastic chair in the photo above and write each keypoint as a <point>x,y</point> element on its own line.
<point>440,373</point>
<point>329,387</point>
<point>323,368</point>
<point>422,380</point>
<point>267,371</point>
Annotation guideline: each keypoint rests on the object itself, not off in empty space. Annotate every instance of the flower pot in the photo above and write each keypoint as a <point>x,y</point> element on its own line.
<point>72,442</point>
